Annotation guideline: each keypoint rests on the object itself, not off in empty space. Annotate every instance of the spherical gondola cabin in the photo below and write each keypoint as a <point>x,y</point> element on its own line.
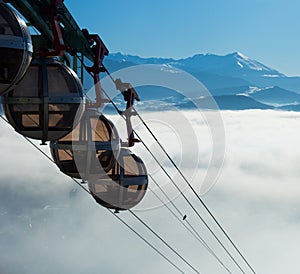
<point>124,186</point>
<point>15,48</point>
<point>44,104</point>
<point>89,149</point>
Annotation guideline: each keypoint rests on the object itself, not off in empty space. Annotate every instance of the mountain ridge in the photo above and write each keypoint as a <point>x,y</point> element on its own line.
<point>234,65</point>
<point>232,74</point>
<point>196,59</point>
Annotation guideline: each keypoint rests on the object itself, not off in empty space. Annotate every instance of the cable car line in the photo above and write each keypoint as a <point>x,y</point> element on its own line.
<point>149,228</point>
<point>205,223</point>
<point>180,191</point>
<point>194,191</point>
<point>190,228</point>
<point>140,236</point>
<point>190,204</point>
<point>182,194</point>
<point>187,182</point>
<point>147,242</point>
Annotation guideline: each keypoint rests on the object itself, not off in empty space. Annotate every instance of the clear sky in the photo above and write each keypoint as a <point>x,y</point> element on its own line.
<point>265,30</point>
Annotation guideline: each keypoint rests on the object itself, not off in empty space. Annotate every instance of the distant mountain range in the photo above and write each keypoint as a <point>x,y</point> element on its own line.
<point>234,80</point>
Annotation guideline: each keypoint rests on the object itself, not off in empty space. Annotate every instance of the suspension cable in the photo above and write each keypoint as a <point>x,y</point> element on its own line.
<point>190,204</point>
<point>180,191</point>
<point>189,227</point>
<point>194,191</point>
<point>149,228</point>
<point>147,242</point>
<point>202,202</point>
<point>182,175</point>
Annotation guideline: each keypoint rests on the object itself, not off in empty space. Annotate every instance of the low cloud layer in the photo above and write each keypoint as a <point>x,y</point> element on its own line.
<point>49,225</point>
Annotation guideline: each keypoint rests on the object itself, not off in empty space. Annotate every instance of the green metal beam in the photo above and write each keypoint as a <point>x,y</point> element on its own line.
<point>35,11</point>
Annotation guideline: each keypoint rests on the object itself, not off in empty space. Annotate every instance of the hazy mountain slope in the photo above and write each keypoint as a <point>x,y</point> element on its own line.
<point>276,95</point>
<point>215,71</point>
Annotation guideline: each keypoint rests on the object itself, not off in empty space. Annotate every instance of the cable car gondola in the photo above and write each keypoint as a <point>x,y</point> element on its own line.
<point>124,186</point>
<point>15,48</point>
<point>44,104</point>
<point>45,101</point>
<point>91,148</point>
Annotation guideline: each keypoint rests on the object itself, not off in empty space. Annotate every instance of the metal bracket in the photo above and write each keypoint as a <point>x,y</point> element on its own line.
<point>130,95</point>
<point>59,46</point>
<point>99,50</point>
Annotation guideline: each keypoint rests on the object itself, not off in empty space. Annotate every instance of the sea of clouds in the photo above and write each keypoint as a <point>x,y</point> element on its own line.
<point>50,225</point>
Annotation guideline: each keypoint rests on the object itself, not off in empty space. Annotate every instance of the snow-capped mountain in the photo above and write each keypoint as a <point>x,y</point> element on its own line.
<point>234,64</point>
<point>213,69</point>
<point>228,75</point>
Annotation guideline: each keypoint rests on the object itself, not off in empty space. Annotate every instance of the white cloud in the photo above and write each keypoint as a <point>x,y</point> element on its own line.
<point>46,227</point>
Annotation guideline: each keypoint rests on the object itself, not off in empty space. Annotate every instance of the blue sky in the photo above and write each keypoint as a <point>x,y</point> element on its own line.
<point>265,30</point>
